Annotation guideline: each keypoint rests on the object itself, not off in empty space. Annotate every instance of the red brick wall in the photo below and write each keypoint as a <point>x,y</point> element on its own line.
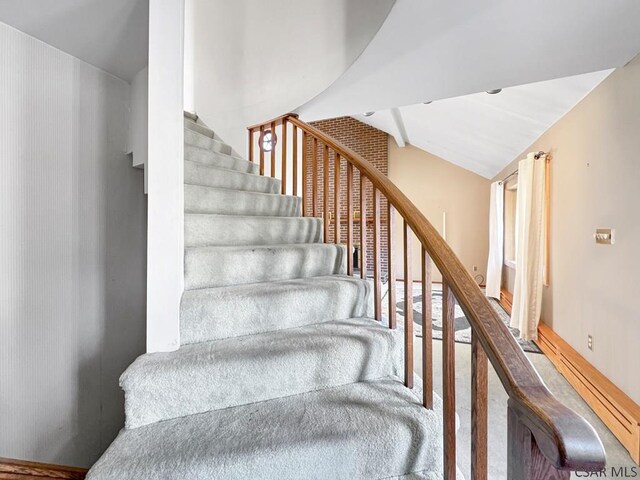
<point>373,145</point>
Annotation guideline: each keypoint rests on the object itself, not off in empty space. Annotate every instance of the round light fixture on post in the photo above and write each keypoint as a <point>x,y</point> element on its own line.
<point>268,141</point>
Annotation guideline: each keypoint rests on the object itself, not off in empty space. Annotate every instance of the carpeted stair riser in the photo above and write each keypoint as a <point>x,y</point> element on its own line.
<point>199,128</point>
<point>203,141</point>
<point>237,371</point>
<point>265,307</point>
<point>364,431</point>
<point>191,116</point>
<point>224,201</point>
<point>199,174</point>
<point>206,229</point>
<point>207,267</point>
<point>221,160</point>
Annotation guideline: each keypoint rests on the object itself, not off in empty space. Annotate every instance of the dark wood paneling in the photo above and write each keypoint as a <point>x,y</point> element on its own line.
<point>479,403</point>
<point>449,381</point>
<point>427,332</point>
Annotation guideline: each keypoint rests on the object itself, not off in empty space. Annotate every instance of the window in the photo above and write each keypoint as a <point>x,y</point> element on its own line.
<point>510,200</point>
<point>268,141</point>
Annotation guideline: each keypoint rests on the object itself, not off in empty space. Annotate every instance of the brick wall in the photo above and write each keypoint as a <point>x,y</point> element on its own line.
<point>373,145</point>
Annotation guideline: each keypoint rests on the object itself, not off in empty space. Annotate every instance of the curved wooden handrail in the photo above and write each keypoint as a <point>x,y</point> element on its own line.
<point>564,438</point>
<point>275,121</point>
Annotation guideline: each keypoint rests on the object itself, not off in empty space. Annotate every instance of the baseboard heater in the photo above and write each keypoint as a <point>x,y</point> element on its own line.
<point>614,407</point>
<point>616,410</point>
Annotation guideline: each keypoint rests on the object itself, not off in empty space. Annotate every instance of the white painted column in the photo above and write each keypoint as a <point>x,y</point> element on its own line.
<point>165,225</point>
<point>189,57</point>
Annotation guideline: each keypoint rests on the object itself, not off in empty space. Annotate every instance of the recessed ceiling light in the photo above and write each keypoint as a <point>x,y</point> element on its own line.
<point>427,103</point>
<point>368,114</point>
<point>493,92</point>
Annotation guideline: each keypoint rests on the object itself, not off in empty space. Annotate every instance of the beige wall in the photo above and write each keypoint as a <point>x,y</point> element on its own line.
<point>595,183</point>
<point>437,186</point>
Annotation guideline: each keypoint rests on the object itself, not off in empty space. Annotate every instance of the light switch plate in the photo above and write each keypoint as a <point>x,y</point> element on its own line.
<point>604,236</point>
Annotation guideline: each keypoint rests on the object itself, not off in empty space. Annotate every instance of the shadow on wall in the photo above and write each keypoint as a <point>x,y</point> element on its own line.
<point>72,255</point>
<point>112,298</point>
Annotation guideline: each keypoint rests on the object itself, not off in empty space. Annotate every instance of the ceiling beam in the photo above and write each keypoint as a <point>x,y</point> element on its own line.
<point>400,132</point>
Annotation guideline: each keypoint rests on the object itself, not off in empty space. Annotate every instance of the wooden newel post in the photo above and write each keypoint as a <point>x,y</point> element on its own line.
<point>525,460</point>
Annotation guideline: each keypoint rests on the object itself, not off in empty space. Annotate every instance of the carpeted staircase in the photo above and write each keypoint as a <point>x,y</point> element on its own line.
<point>281,374</point>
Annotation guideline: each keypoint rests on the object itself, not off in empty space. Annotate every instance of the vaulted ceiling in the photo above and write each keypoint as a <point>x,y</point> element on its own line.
<point>430,50</point>
<point>483,132</point>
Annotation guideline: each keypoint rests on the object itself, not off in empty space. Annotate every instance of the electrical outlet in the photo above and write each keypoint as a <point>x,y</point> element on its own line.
<point>590,342</point>
<point>475,268</point>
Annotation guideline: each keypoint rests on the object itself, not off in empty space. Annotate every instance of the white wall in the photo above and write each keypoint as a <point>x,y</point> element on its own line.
<point>165,270</point>
<point>72,253</point>
<point>250,60</point>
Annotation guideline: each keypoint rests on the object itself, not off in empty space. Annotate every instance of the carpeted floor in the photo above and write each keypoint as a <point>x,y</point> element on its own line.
<point>461,325</point>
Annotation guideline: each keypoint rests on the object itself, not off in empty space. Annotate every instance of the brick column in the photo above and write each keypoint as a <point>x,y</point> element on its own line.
<point>373,145</point>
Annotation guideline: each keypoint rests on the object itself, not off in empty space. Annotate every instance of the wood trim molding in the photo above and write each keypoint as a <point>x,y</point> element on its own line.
<point>11,469</point>
<point>617,411</point>
<point>506,300</point>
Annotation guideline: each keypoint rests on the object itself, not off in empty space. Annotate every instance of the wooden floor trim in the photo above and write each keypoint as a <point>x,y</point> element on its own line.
<point>506,300</point>
<point>11,469</point>
<point>616,410</point>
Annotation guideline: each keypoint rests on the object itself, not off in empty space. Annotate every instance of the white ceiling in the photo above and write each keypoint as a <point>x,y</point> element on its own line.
<point>481,132</point>
<point>112,35</point>
<point>431,49</point>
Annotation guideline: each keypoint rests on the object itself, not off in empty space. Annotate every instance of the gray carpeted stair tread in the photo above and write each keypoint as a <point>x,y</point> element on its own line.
<point>217,159</point>
<point>199,140</point>
<point>369,430</point>
<point>236,371</point>
<point>226,201</point>
<point>200,128</point>
<point>199,174</point>
<point>263,307</point>
<point>201,229</point>
<point>191,116</point>
<point>207,267</point>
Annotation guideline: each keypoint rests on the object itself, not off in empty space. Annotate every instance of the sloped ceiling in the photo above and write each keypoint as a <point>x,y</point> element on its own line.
<point>483,132</point>
<point>112,35</point>
<point>430,50</point>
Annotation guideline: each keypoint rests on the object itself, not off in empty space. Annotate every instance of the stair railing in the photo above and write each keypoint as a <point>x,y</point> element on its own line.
<point>546,440</point>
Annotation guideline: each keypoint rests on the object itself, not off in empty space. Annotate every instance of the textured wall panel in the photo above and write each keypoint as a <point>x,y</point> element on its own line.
<point>72,253</point>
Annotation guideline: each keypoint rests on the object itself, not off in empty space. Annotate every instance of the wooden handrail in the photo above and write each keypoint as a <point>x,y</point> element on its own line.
<point>564,438</point>
<point>275,121</point>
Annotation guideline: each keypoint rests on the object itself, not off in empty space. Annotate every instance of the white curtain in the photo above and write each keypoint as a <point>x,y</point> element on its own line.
<point>496,240</point>
<point>530,231</point>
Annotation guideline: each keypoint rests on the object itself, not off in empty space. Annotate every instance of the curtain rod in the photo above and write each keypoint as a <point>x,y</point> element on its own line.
<point>536,156</point>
